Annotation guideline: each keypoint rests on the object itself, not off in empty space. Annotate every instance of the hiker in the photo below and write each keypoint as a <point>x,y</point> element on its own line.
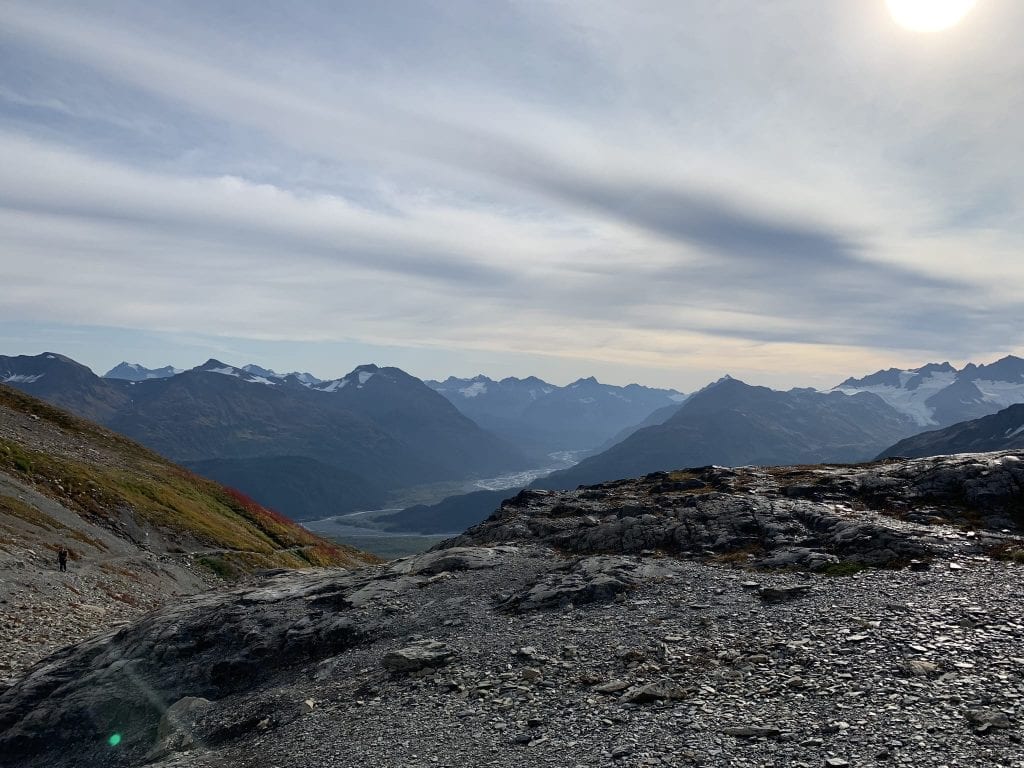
<point>62,558</point>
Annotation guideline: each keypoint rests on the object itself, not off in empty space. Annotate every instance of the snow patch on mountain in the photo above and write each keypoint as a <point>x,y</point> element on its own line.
<point>135,372</point>
<point>1001,393</point>
<point>22,378</point>
<point>306,379</point>
<point>239,373</point>
<point>911,402</point>
<point>938,393</point>
<point>332,386</point>
<point>474,389</point>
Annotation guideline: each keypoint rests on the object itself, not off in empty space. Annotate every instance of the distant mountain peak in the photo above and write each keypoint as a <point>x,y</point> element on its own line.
<point>358,377</point>
<point>304,378</point>
<point>725,381</point>
<point>136,372</point>
<point>259,370</point>
<point>212,363</point>
<point>943,367</point>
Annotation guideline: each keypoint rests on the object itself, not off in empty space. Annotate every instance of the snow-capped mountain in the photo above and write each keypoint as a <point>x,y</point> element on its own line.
<point>245,374</point>
<point>304,378</point>
<point>938,394</point>
<point>135,372</point>
<point>513,391</point>
<point>311,451</point>
<point>357,379</point>
<point>543,418</point>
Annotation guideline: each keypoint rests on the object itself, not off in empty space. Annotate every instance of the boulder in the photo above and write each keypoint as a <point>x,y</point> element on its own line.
<point>417,656</point>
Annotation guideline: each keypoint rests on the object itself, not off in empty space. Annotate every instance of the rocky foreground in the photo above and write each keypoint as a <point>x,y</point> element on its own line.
<point>809,616</point>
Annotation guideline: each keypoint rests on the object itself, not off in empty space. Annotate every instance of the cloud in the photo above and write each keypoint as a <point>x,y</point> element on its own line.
<point>576,182</point>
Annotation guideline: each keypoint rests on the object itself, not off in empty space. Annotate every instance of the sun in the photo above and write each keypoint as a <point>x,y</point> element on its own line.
<point>928,15</point>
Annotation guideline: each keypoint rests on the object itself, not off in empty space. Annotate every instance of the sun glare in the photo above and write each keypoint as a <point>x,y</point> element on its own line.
<point>929,15</point>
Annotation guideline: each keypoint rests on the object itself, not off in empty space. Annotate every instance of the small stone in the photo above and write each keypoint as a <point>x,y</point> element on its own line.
<point>752,731</point>
<point>529,653</point>
<point>920,668</point>
<point>988,718</point>
<point>648,694</point>
<point>612,686</point>
<point>780,594</point>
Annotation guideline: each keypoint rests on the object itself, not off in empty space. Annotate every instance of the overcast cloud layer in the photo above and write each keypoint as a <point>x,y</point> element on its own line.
<point>792,192</point>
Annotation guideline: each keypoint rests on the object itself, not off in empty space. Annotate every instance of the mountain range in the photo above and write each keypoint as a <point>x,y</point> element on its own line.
<point>543,418</point>
<point>732,423</point>
<point>370,432</point>
<point>938,394</point>
<point>314,447</point>
<point>135,372</point>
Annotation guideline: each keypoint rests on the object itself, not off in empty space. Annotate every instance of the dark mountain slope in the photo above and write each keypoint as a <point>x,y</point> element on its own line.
<point>450,515</point>
<point>67,384</point>
<point>731,423</point>
<point>296,486</point>
<point>997,432</point>
<point>426,421</point>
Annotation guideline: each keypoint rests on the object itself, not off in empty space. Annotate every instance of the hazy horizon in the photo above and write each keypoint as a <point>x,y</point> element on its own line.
<point>102,368</point>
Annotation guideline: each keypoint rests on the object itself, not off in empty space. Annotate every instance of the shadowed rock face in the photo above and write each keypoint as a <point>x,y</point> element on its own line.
<point>674,616</point>
<point>1000,431</point>
<point>211,646</point>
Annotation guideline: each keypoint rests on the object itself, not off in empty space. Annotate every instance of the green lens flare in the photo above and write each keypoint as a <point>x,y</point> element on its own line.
<point>114,740</point>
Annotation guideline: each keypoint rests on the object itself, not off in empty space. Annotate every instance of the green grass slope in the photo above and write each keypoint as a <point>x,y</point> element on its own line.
<point>117,484</point>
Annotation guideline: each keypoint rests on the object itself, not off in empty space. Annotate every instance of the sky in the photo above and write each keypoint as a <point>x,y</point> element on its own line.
<point>790,192</point>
